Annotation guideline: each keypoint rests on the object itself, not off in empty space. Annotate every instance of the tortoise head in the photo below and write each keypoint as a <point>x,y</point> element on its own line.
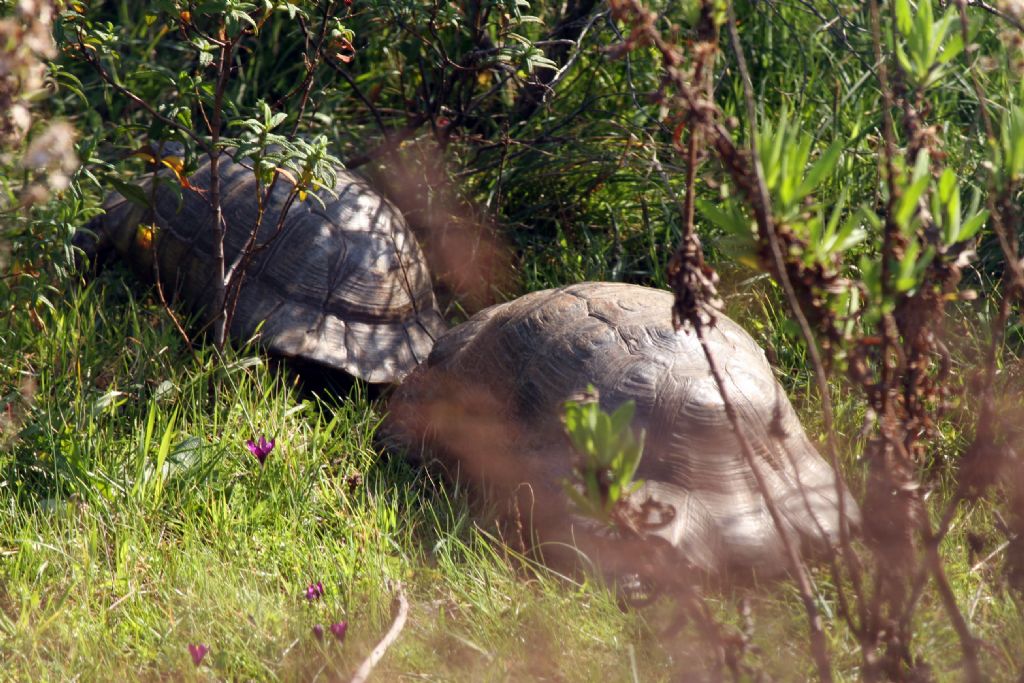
<point>115,232</point>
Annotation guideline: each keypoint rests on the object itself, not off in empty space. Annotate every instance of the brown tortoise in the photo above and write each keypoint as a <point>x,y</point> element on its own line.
<point>490,396</point>
<point>343,285</point>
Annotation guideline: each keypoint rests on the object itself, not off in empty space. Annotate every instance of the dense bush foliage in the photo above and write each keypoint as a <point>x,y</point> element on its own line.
<point>846,176</point>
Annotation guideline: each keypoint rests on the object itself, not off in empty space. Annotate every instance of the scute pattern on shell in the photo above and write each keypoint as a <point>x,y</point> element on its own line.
<point>344,284</point>
<point>490,399</point>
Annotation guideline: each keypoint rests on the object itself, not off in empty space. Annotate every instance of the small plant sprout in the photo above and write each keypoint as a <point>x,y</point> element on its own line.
<point>198,652</point>
<point>314,591</point>
<point>608,453</point>
<point>338,630</point>
<point>260,449</point>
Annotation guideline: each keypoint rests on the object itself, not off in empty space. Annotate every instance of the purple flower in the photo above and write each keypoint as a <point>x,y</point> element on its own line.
<point>260,449</point>
<point>318,631</point>
<point>314,591</point>
<point>198,651</point>
<point>339,629</point>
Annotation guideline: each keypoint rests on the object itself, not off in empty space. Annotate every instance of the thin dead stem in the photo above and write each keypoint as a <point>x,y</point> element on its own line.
<point>366,668</point>
<point>766,226</point>
<point>819,648</point>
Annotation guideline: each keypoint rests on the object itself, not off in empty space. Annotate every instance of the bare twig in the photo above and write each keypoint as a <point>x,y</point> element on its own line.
<point>364,670</point>
<point>980,564</point>
<point>234,277</point>
<point>995,11</point>
<point>392,143</point>
<point>154,246</point>
<point>767,228</point>
<point>968,643</point>
<point>370,106</point>
<point>87,56</point>
<point>819,648</point>
<point>220,320</point>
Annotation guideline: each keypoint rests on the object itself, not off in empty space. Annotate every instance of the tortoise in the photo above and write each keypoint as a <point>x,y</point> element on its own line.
<point>343,285</point>
<point>490,396</point>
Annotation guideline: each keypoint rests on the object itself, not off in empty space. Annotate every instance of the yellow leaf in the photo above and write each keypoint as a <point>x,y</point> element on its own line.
<point>176,164</point>
<point>749,260</point>
<point>287,175</point>
<point>143,153</point>
<point>144,236</point>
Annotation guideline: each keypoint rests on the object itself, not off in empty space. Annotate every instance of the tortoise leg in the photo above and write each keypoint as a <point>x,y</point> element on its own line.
<point>93,249</point>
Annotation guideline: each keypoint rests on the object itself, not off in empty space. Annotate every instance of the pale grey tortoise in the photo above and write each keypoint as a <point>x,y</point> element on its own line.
<point>343,284</point>
<point>490,397</point>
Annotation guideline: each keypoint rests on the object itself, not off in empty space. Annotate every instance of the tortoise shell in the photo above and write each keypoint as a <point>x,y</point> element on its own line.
<point>343,284</point>
<point>490,396</point>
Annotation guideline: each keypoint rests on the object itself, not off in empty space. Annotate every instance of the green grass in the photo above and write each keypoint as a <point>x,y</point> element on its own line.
<point>110,564</point>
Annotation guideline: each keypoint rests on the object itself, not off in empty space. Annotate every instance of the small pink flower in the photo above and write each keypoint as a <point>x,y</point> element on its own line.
<point>318,631</point>
<point>198,651</point>
<point>339,629</point>
<point>260,449</point>
<point>314,591</point>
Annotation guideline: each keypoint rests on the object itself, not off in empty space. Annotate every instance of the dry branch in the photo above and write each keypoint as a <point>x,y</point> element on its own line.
<point>366,668</point>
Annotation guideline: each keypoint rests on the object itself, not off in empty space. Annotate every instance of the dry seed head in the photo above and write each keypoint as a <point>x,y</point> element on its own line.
<point>53,152</point>
<point>1015,8</point>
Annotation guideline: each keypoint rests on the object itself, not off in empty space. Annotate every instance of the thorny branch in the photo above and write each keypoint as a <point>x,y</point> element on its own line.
<point>768,230</point>
<point>819,648</point>
<point>693,280</point>
<point>908,343</point>
<point>900,368</point>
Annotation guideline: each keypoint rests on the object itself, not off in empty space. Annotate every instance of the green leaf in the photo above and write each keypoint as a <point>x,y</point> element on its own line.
<point>903,19</point>
<point>850,236</point>
<point>952,217</point>
<point>821,168</point>
<point>871,217</point>
<point>610,454</point>
<point>972,225</point>
<point>603,438</point>
<point>581,502</point>
<point>907,204</point>
<point>730,222</point>
<point>136,194</point>
<point>905,63</point>
<point>147,439</point>
<point>163,451</point>
<point>921,165</point>
<point>954,47</point>
<point>277,120</point>
<point>947,184</point>
<point>623,417</point>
